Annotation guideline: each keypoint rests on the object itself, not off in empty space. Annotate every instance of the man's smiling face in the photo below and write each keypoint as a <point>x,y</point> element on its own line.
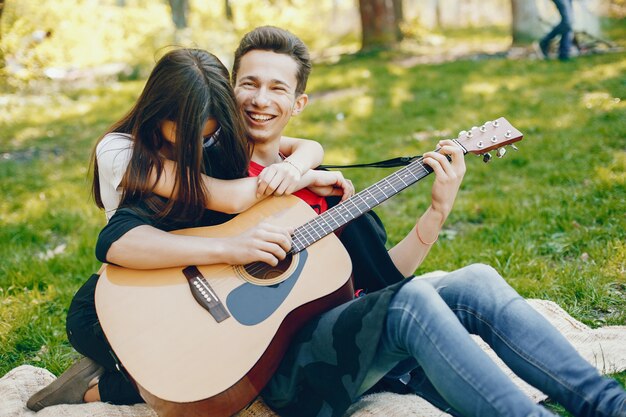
<point>266,93</point>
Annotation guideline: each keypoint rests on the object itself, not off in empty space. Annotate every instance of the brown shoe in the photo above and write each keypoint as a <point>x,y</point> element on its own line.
<point>69,387</point>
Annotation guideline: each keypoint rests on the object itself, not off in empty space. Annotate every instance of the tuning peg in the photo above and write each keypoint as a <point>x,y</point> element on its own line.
<point>486,157</point>
<point>501,152</point>
<point>514,147</point>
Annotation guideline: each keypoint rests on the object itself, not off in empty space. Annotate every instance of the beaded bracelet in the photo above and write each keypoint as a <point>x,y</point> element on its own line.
<point>293,165</point>
<point>417,232</point>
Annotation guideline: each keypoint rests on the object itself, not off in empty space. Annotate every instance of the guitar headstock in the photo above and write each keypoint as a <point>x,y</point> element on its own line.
<point>488,137</point>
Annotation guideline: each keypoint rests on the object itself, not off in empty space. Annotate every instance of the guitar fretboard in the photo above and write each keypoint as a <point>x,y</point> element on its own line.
<point>360,203</point>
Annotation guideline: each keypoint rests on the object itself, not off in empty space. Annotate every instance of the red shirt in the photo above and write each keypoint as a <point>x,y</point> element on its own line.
<point>318,203</point>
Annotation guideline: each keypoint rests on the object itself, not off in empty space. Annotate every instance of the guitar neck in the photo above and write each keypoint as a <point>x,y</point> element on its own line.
<point>481,140</point>
<point>358,204</point>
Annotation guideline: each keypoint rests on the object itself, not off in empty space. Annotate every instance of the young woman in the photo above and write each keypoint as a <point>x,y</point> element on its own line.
<point>182,139</point>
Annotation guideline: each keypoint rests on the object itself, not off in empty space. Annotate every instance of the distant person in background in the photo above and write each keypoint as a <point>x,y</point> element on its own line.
<point>565,29</point>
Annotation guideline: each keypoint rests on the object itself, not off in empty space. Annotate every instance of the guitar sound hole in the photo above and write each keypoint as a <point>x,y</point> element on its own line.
<point>263,271</point>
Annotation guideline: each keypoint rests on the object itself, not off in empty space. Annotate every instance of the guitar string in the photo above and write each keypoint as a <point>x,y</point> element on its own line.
<point>378,192</point>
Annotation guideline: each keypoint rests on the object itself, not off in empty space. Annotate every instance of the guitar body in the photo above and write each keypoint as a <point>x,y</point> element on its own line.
<point>187,363</point>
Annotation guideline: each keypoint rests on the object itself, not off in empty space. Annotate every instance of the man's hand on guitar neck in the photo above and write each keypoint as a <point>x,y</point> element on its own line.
<point>409,253</point>
<point>448,176</point>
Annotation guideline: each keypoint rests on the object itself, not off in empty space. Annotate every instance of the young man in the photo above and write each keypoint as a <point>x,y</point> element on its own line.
<point>419,331</point>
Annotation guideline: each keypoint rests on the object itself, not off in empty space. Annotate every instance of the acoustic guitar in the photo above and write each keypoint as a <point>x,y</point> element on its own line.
<point>203,340</point>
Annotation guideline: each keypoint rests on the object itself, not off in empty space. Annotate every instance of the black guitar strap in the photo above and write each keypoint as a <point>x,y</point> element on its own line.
<point>387,163</point>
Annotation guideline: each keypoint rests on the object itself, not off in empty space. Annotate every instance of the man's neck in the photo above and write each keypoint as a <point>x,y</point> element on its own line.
<point>266,153</point>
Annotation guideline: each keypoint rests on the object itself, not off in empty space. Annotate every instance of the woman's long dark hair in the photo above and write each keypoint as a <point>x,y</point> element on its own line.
<point>187,86</point>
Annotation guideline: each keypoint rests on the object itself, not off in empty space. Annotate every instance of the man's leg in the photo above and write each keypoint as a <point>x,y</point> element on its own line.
<point>487,306</point>
<point>421,325</point>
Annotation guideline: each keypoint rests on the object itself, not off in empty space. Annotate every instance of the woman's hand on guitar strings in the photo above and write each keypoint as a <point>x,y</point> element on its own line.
<point>265,243</point>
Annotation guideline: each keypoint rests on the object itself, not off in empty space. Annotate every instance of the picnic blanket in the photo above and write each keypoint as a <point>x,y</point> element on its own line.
<point>604,347</point>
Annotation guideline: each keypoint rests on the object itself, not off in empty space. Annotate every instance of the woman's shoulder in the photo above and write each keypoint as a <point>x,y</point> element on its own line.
<point>114,141</point>
<point>113,154</point>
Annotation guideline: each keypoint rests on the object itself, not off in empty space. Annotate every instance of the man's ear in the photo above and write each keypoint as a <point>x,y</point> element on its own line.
<point>300,104</point>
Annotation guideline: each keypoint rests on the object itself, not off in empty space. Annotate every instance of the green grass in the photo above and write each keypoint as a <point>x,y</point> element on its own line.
<point>550,217</point>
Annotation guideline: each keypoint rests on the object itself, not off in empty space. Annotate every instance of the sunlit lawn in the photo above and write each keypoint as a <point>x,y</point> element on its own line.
<point>550,217</point>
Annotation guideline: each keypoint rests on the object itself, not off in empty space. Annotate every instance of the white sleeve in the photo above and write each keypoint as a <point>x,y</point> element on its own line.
<point>113,154</point>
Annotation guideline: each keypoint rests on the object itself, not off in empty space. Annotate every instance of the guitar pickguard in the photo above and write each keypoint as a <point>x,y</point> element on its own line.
<point>251,304</point>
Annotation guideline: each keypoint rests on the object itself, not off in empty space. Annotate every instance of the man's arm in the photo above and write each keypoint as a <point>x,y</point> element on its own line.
<point>409,253</point>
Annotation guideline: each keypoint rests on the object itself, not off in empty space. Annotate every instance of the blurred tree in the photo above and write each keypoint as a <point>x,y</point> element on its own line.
<point>2,62</point>
<point>398,12</point>
<point>228,10</point>
<point>379,23</point>
<point>180,11</point>
<point>526,24</point>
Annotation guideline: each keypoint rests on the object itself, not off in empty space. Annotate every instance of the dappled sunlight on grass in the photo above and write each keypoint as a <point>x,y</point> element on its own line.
<point>400,94</point>
<point>614,263</point>
<point>362,107</point>
<point>334,78</point>
<point>601,72</point>
<point>341,156</point>
<point>614,173</point>
<point>40,120</point>
<point>484,88</point>
<point>601,100</point>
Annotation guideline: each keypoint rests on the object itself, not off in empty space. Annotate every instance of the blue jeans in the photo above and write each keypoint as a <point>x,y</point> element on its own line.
<point>427,334</point>
<point>564,28</point>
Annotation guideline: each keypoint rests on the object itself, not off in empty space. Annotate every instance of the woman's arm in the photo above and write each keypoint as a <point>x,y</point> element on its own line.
<point>146,247</point>
<point>226,196</point>
<point>283,178</point>
<point>409,253</point>
<point>130,240</point>
<point>235,196</point>
<point>304,153</point>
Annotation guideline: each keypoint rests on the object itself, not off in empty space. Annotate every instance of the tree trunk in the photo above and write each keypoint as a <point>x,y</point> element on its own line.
<point>180,10</point>
<point>379,25</point>
<point>398,12</point>
<point>2,59</point>
<point>438,14</point>
<point>228,10</point>
<point>1,10</point>
<point>526,25</point>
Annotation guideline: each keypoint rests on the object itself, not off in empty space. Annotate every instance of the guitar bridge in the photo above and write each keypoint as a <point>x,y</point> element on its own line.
<point>204,294</point>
